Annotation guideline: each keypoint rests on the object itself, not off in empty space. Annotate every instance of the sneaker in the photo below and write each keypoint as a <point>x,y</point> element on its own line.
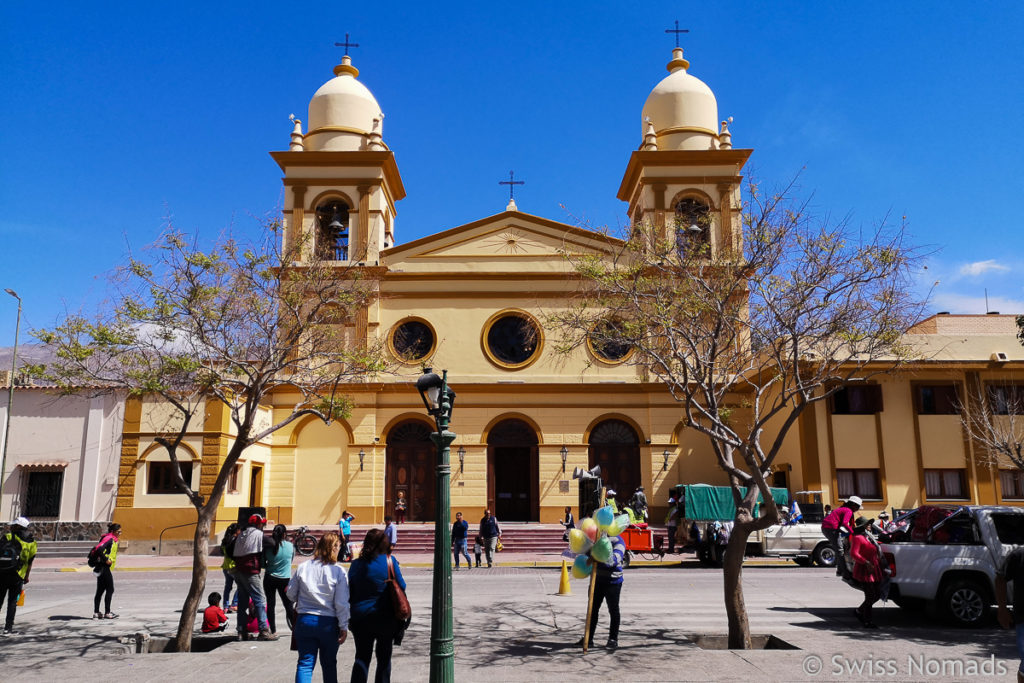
<point>611,644</point>
<point>97,615</point>
<point>11,632</point>
<point>111,615</point>
<point>266,635</point>
<point>243,637</point>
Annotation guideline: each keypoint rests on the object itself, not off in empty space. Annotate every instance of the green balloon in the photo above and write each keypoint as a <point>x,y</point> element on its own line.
<point>602,550</point>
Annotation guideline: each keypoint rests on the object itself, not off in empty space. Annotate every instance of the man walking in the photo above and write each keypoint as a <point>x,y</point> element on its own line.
<point>491,532</point>
<point>390,531</point>
<point>248,554</point>
<point>607,588</point>
<point>17,551</point>
<point>460,530</point>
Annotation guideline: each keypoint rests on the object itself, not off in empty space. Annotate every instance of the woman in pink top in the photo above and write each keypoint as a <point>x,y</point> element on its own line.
<point>867,569</point>
<point>836,522</point>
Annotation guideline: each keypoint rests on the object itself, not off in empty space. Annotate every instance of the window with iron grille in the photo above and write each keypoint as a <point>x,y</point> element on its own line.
<point>161,477</point>
<point>42,495</point>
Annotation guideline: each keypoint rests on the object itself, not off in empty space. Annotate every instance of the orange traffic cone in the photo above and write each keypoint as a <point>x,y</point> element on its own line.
<point>563,584</point>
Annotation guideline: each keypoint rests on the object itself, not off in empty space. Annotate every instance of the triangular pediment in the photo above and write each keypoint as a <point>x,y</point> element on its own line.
<point>505,237</point>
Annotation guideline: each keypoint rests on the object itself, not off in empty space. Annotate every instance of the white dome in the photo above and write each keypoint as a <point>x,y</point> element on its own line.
<point>342,113</point>
<point>682,109</point>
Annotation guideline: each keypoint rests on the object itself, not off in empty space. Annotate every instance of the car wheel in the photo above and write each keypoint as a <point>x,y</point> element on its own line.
<point>965,603</point>
<point>626,559</point>
<point>824,555</point>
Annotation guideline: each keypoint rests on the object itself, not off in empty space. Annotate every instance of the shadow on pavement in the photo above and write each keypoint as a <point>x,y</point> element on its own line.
<point>911,627</point>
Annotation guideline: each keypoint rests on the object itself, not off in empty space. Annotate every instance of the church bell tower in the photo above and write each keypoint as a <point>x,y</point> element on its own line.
<point>341,180</point>
<point>685,176</point>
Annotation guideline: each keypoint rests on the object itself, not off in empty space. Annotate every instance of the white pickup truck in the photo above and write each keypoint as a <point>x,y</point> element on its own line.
<point>948,556</point>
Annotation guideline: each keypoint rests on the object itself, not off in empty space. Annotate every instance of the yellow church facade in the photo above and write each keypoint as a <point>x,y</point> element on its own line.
<point>474,299</point>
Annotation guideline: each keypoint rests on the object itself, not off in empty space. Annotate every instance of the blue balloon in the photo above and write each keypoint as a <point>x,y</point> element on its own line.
<point>604,516</point>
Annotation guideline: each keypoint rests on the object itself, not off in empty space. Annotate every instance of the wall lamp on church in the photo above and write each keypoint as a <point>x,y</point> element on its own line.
<point>565,454</point>
<point>462,458</point>
<point>362,456</point>
<point>666,455</point>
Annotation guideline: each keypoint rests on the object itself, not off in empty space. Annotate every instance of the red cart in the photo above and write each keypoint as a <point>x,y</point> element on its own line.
<point>641,541</point>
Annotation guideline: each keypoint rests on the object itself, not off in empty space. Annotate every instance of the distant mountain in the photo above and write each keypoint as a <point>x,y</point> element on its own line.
<point>27,354</point>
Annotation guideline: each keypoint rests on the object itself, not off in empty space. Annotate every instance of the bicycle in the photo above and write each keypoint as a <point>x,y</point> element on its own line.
<point>305,542</point>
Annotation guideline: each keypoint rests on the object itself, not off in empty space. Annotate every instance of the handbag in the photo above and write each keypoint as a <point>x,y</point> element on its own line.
<point>400,603</point>
<point>498,546</point>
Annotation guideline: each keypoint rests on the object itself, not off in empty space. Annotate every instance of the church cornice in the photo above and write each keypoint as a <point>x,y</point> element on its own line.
<point>639,160</point>
<point>306,159</point>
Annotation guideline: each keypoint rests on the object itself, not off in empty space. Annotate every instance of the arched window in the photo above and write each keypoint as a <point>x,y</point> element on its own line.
<point>693,225</point>
<point>332,231</point>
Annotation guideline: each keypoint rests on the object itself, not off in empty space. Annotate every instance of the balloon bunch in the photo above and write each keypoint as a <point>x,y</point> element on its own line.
<point>593,540</point>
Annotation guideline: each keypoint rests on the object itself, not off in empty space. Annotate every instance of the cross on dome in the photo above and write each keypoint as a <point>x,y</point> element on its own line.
<point>347,44</point>
<point>675,30</point>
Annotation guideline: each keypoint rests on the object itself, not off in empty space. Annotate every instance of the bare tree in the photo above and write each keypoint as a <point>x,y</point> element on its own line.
<point>993,416</point>
<point>747,338</point>
<point>228,325</point>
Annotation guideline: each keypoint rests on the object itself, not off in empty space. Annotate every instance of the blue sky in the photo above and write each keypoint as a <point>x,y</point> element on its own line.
<point>117,117</point>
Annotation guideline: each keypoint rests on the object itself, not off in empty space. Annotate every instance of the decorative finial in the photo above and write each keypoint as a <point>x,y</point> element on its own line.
<point>297,144</point>
<point>677,62</point>
<point>650,143</point>
<point>346,62</point>
<point>375,142</point>
<point>724,136</point>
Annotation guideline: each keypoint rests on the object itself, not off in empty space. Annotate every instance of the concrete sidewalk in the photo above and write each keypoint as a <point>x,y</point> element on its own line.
<point>510,625</point>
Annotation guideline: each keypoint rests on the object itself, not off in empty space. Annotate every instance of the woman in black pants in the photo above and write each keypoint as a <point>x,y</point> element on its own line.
<point>106,558</point>
<point>372,619</point>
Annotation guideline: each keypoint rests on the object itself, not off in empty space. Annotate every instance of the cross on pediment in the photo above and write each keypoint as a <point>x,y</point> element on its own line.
<point>511,182</point>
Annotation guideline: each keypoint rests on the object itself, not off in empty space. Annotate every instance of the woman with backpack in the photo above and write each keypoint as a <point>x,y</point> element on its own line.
<point>104,558</point>
<point>277,558</point>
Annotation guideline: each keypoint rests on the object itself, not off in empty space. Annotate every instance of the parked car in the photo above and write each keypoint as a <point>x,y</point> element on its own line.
<point>803,543</point>
<point>948,556</point>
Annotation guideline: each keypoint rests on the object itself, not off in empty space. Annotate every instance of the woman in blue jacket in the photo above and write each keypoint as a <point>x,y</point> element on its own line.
<point>372,620</point>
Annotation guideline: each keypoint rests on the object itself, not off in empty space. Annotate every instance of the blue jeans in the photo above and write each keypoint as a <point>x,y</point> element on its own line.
<point>459,548</point>
<point>316,634</point>
<point>1020,642</point>
<point>229,582</point>
<point>250,586</point>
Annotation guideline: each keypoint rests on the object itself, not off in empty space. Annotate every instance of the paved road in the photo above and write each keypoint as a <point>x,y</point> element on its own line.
<point>511,626</point>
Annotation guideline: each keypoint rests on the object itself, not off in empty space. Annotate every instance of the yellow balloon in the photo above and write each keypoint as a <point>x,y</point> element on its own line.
<point>578,541</point>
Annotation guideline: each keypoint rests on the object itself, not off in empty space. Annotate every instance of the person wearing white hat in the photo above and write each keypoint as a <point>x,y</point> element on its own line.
<point>17,551</point>
<point>840,520</point>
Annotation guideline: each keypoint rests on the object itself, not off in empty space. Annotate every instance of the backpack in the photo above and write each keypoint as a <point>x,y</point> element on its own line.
<point>10,554</point>
<point>96,555</point>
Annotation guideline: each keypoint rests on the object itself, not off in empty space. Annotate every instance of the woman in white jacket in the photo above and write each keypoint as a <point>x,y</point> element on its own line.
<point>319,589</point>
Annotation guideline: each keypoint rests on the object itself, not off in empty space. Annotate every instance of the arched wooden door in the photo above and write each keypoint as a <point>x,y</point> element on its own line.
<point>513,472</point>
<point>410,469</point>
<point>615,446</point>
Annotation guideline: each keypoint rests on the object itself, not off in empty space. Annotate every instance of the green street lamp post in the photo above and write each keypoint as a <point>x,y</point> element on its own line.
<point>439,400</point>
<point>10,393</point>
